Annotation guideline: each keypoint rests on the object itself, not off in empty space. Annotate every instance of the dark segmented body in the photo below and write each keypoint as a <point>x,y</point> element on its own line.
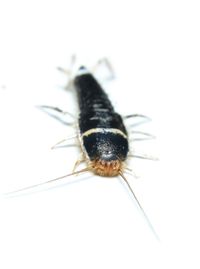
<point>103,132</point>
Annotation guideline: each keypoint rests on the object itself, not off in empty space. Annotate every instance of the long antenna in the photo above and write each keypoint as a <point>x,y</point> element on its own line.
<point>49,181</point>
<point>140,206</point>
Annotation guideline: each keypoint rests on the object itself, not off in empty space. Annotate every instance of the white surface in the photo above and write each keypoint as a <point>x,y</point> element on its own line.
<point>94,223</point>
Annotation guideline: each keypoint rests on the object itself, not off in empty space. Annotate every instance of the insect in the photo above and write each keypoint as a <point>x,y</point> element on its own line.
<point>102,134</point>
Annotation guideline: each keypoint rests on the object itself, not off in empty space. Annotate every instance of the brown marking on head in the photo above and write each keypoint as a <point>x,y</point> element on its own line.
<point>106,168</point>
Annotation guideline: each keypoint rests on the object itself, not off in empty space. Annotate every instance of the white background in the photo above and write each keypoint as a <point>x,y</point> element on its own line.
<point>89,221</point>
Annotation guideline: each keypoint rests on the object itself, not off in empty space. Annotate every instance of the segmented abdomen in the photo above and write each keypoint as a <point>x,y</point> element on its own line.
<point>96,110</point>
<point>102,130</point>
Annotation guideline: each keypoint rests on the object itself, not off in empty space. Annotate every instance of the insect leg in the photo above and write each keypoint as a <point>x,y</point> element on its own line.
<point>58,114</point>
<point>136,116</point>
<point>131,172</point>
<point>64,140</point>
<point>143,119</point>
<point>143,156</point>
<point>143,133</point>
<point>79,161</point>
<point>57,109</point>
<point>147,136</point>
<point>140,139</point>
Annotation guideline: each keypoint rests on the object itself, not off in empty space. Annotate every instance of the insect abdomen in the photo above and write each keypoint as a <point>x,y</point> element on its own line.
<point>103,134</point>
<point>96,110</point>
